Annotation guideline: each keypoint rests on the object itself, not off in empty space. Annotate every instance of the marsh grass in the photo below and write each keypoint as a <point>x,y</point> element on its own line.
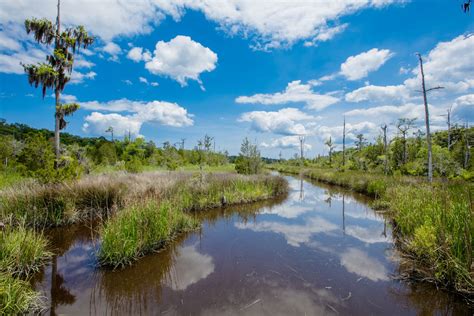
<point>17,297</point>
<point>143,227</point>
<point>434,223</point>
<point>22,251</point>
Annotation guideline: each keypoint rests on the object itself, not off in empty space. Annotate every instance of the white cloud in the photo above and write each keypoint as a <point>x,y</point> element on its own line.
<point>463,108</point>
<point>294,92</point>
<point>283,122</point>
<point>181,59</point>
<point>164,113</point>
<point>449,64</point>
<point>138,54</point>
<point>127,82</point>
<point>378,93</point>
<point>359,66</point>
<point>286,142</point>
<point>79,77</point>
<point>271,24</point>
<point>323,132</point>
<point>154,84</point>
<point>113,50</point>
<point>143,80</point>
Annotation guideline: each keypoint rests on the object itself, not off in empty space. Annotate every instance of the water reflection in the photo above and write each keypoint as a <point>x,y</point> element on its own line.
<point>318,251</point>
<point>189,267</point>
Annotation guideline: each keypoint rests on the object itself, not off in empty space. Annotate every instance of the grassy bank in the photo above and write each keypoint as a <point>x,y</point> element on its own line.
<point>433,223</point>
<point>22,252</point>
<point>146,226</point>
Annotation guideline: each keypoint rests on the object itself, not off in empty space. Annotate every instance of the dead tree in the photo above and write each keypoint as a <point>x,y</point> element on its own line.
<point>404,125</point>
<point>301,139</point>
<point>427,119</point>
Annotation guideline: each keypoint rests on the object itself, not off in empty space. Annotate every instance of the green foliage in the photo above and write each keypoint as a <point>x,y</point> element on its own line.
<point>17,297</point>
<point>249,161</point>
<point>133,165</point>
<point>140,229</point>
<point>22,251</point>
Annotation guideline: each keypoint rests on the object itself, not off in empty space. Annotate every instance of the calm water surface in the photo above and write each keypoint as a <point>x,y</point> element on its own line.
<point>320,251</point>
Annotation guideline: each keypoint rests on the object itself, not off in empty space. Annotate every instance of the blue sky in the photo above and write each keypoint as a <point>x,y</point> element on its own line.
<point>269,70</point>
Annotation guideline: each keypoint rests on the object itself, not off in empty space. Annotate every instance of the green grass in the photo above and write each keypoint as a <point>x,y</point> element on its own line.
<point>434,223</point>
<point>140,229</point>
<point>17,296</point>
<point>9,178</point>
<point>22,251</point>
<point>147,226</point>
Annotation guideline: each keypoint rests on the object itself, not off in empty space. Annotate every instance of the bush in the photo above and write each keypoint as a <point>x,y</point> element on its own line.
<point>134,165</point>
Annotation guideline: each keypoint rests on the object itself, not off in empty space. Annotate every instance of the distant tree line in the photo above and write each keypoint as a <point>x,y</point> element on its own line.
<point>30,151</point>
<point>405,153</point>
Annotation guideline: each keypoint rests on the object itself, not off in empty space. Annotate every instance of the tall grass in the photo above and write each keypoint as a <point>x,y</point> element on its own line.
<point>143,227</point>
<point>17,297</point>
<point>140,229</point>
<point>434,223</point>
<point>22,251</point>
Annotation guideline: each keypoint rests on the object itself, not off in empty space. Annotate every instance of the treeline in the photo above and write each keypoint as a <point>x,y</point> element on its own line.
<point>404,154</point>
<point>30,152</point>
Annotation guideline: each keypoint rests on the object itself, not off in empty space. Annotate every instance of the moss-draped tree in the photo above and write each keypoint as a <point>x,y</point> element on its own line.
<point>55,73</point>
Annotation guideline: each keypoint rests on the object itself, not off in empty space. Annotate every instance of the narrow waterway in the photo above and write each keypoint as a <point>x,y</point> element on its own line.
<point>320,251</point>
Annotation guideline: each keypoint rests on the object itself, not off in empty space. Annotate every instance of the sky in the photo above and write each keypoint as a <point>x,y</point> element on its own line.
<point>272,71</point>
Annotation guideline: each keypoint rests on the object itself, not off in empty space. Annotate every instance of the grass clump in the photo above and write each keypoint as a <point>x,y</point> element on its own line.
<point>22,251</point>
<point>17,296</point>
<point>140,229</point>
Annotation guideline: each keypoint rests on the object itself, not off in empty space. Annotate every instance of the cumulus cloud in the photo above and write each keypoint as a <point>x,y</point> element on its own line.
<point>113,50</point>
<point>79,77</point>
<point>286,142</point>
<point>294,92</point>
<point>138,54</point>
<point>270,24</point>
<point>323,132</point>
<point>283,122</point>
<point>378,93</point>
<point>359,66</point>
<point>181,59</point>
<point>136,113</point>
<point>359,262</point>
<point>463,108</point>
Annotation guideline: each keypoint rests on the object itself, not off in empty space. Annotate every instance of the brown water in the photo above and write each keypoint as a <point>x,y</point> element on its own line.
<point>320,251</point>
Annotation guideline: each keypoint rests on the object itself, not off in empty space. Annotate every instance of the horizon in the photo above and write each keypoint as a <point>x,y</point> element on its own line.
<point>183,70</point>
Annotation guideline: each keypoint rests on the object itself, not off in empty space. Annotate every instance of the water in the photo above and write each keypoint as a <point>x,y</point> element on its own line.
<point>320,251</point>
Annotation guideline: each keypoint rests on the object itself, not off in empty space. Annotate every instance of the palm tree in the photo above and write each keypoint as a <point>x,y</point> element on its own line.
<point>55,73</point>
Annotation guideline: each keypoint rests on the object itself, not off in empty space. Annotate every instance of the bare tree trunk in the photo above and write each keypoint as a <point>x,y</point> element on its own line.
<point>427,121</point>
<point>301,149</point>
<point>57,148</point>
<point>344,143</point>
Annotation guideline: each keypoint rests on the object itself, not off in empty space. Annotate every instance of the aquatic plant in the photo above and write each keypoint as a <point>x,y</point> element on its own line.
<point>17,296</point>
<point>22,251</point>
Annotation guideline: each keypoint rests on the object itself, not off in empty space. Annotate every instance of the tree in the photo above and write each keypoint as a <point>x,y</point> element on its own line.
<point>360,142</point>
<point>385,152</point>
<point>111,131</point>
<point>249,161</point>
<point>331,147</point>
<point>344,143</point>
<point>427,119</point>
<point>404,125</point>
<point>56,72</point>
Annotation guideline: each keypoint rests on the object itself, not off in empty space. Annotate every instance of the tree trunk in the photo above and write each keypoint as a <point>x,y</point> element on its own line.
<point>57,141</point>
<point>427,121</point>
<point>385,163</point>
